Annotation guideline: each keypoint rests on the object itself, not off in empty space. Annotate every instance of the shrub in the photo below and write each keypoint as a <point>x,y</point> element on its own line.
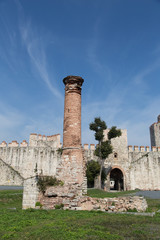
<point>45,181</point>
<point>59,206</point>
<point>132,210</point>
<point>93,169</point>
<point>38,204</point>
<point>60,150</point>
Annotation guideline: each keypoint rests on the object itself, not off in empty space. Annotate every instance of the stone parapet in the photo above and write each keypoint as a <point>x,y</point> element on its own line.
<point>24,144</point>
<point>39,137</point>
<point>130,148</point>
<point>136,148</point>
<point>38,140</point>
<point>154,149</point>
<point>86,146</point>
<point>92,146</point>
<point>147,149</point>
<point>143,149</point>
<point>89,147</point>
<point>33,139</point>
<point>13,144</point>
<point>3,144</point>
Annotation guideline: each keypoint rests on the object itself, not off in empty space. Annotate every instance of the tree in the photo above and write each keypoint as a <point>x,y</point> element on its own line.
<point>104,148</point>
<point>114,133</point>
<point>93,169</point>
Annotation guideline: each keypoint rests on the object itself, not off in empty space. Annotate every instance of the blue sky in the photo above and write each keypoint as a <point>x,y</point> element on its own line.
<point>113,44</point>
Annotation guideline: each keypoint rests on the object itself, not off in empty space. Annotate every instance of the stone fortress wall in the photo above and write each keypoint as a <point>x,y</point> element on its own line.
<point>140,165</point>
<point>25,160</point>
<point>126,168</point>
<point>41,155</point>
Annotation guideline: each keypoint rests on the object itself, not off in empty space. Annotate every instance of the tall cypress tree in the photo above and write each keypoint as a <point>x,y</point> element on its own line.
<point>104,148</point>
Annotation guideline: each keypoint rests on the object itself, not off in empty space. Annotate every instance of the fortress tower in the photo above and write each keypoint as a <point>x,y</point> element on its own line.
<point>155,133</point>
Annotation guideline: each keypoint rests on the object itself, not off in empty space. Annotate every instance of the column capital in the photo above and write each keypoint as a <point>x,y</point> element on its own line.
<point>73,80</point>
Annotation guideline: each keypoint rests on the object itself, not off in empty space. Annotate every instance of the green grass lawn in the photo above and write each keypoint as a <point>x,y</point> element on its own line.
<point>69,225</point>
<point>103,194</point>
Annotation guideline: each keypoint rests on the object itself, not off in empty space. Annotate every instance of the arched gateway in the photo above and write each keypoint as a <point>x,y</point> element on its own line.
<point>116,179</point>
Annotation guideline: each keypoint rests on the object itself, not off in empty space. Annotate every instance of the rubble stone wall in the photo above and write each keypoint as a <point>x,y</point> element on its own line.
<point>60,196</point>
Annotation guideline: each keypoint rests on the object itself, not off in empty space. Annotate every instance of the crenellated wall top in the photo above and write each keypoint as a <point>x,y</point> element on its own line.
<point>14,143</point>
<point>89,147</point>
<point>143,149</point>
<point>36,140</point>
<point>130,148</point>
<point>41,140</point>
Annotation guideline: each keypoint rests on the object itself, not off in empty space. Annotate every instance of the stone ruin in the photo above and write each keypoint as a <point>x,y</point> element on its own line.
<point>70,168</point>
<point>127,168</point>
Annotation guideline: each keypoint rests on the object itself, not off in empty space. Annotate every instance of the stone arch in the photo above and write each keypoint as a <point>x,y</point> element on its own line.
<point>117,178</point>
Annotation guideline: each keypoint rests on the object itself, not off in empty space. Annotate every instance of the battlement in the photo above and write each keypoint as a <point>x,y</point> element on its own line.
<point>3,144</point>
<point>14,144</point>
<point>143,149</point>
<point>36,140</point>
<point>24,144</point>
<point>89,147</point>
<point>41,140</point>
<point>130,148</point>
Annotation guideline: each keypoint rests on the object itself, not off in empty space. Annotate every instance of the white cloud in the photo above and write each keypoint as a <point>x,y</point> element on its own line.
<point>127,107</point>
<point>140,77</point>
<point>16,125</point>
<point>35,44</point>
<point>8,43</point>
<point>11,121</point>
<point>100,68</point>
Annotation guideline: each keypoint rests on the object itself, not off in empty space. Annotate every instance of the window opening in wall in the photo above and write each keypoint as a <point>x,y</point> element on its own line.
<point>115,155</point>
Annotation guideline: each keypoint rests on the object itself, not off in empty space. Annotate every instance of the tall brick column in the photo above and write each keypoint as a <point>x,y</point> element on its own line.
<point>72,112</point>
<point>71,169</point>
